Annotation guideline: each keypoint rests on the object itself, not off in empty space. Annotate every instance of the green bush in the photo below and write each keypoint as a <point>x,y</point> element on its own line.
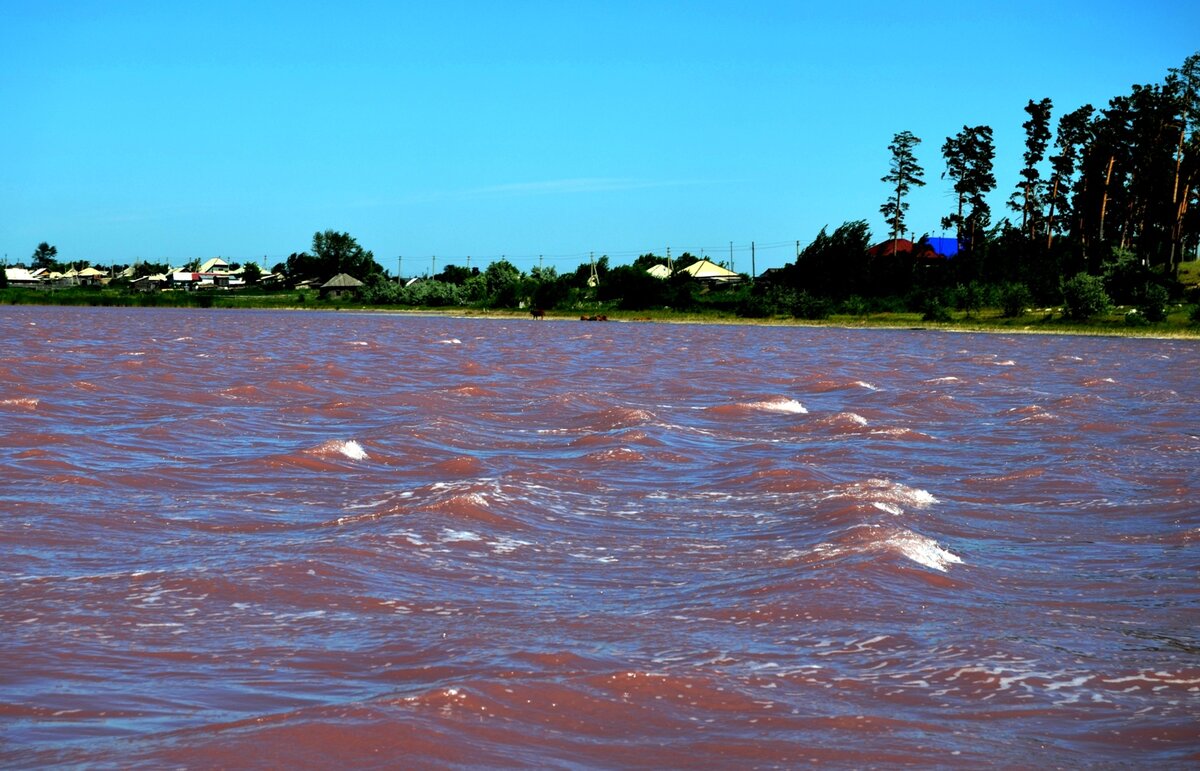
<point>1014,299</point>
<point>1084,297</point>
<point>767,301</point>
<point>888,304</point>
<point>1135,319</point>
<point>935,311</point>
<point>1194,315</point>
<point>855,306</point>
<point>811,307</point>
<point>970,297</point>
<point>1124,276</point>
<point>1152,304</point>
<point>430,294</point>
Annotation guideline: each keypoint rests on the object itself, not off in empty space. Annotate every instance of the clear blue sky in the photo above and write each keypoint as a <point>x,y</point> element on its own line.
<point>166,131</point>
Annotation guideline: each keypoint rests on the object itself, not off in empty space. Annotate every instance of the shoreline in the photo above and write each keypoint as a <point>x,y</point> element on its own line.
<point>975,325</point>
<point>1149,333</point>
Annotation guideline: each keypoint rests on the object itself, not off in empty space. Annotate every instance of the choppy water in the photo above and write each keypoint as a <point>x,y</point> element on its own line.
<point>316,539</point>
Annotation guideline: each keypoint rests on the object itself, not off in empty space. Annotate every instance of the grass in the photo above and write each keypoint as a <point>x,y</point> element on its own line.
<point>1189,273</point>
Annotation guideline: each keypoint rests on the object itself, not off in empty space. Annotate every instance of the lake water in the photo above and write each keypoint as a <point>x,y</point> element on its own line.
<point>331,539</point>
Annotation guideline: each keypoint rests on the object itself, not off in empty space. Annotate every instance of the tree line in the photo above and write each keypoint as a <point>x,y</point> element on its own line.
<point>1110,193</point>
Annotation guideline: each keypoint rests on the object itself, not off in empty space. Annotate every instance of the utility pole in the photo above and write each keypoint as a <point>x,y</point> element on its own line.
<point>539,263</point>
<point>797,250</point>
<point>468,263</point>
<point>753,269</point>
<point>670,265</point>
<point>399,269</point>
<point>433,264</point>
<point>731,256</point>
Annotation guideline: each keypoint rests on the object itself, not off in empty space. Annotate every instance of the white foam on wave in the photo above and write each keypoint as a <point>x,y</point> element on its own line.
<point>949,379</point>
<point>893,493</point>
<point>866,385</point>
<point>455,536</point>
<point>451,341</point>
<point>867,538</point>
<point>790,406</point>
<point>922,550</point>
<point>353,450</point>
<point>507,545</point>
<point>889,508</point>
<point>27,403</point>
<point>348,447</point>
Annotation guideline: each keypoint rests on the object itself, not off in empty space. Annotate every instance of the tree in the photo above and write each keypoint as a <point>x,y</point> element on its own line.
<point>1072,134</point>
<point>503,282</point>
<point>1187,163</point>
<point>1027,197</point>
<point>905,172</point>
<point>43,256</point>
<point>454,274</point>
<point>969,156</point>
<point>142,269</point>
<point>833,264</point>
<point>1084,297</point>
<point>336,253</point>
<point>251,273</point>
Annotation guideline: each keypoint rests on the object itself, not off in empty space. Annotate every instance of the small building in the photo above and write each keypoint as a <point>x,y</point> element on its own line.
<point>341,285</point>
<point>659,271</point>
<point>945,248</point>
<point>150,283</point>
<point>710,272</point>
<point>925,249</point>
<point>89,276</point>
<point>21,277</point>
<point>183,279</point>
<point>891,248</point>
<point>215,265</point>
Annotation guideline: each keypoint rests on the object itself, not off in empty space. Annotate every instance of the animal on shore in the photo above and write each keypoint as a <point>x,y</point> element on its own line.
<point>593,318</point>
<point>538,313</point>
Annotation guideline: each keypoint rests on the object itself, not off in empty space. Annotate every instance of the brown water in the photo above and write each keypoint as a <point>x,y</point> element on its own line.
<point>327,540</point>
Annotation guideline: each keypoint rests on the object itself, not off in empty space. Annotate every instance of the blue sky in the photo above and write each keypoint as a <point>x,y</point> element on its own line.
<point>166,131</point>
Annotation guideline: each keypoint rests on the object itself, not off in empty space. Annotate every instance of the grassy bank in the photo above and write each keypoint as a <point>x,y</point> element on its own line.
<point>1116,322</point>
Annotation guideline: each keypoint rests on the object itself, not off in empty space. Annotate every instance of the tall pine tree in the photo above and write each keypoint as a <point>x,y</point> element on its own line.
<point>969,155</point>
<point>904,173</point>
<point>1030,190</point>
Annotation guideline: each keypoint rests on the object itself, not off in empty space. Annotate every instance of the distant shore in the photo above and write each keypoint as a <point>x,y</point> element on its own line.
<point>1041,321</point>
<point>895,321</point>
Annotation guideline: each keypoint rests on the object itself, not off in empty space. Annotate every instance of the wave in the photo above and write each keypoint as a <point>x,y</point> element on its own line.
<point>25,403</point>
<point>886,492</point>
<point>346,447</point>
<point>869,539</point>
<point>780,404</point>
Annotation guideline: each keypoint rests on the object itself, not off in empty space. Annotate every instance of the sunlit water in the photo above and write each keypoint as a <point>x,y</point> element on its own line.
<point>321,539</point>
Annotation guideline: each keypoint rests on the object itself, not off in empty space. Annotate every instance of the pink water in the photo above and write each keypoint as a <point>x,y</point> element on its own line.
<point>262,539</point>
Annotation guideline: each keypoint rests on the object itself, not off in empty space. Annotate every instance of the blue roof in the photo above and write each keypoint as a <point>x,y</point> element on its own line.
<point>947,247</point>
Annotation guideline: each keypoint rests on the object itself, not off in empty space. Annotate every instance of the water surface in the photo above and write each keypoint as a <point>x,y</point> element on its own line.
<point>322,539</point>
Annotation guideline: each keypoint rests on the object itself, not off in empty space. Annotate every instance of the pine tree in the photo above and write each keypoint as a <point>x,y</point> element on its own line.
<point>1030,190</point>
<point>969,156</point>
<point>905,172</point>
<point>1072,135</point>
